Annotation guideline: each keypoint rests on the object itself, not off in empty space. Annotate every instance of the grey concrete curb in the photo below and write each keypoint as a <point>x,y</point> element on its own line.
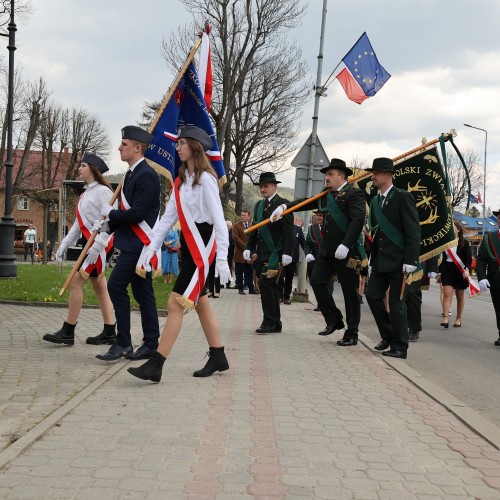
<point>43,427</point>
<point>468,416</point>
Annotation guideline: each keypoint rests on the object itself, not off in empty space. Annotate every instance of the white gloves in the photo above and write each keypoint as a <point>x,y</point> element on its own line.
<point>341,252</point>
<point>484,285</point>
<point>432,275</point>
<point>101,226</point>
<point>286,259</point>
<point>105,209</point>
<point>92,255</point>
<point>61,251</point>
<point>408,268</point>
<point>246,255</point>
<point>145,259</point>
<point>222,270</point>
<point>369,271</point>
<point>276,215</point>
<point>310,257</point>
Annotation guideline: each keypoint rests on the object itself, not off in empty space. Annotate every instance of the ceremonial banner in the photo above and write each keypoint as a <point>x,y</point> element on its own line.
<point>364,75</point>
<point>423,176</point>
<point>187,107</point>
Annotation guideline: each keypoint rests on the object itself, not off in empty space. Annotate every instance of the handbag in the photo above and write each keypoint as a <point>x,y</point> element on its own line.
<point>173,249</point>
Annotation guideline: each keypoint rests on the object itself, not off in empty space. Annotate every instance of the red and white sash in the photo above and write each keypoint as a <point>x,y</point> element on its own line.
<point>86,229</point>
<point>203,255</point>
<point>473,286</point>
<point>145,234</point>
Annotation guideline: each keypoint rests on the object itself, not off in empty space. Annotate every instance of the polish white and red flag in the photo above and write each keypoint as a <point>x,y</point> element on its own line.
<point>205,68</point>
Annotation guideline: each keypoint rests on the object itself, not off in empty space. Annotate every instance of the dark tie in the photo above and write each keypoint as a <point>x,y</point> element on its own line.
<point>127,175</point>
<point>381,201</point>
<point>246,225</point>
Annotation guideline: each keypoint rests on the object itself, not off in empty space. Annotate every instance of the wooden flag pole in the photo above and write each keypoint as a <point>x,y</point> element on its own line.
<point>353,178</point>
<point>160,111</point>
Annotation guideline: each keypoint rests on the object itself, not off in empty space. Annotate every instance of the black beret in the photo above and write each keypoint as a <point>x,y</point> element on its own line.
<point>95,161</point>
<point>198,134</point>
<point>496,213</point>
<point>382,165</point>
<point>136,134</point>
<point>337,165</point>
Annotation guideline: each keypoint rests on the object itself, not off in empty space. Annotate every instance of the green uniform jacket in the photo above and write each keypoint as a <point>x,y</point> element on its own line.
<point>400,210</point>
<point>282,229</point>
<point>486,267</point>
<point>351,201</point>
<point>312,245</point>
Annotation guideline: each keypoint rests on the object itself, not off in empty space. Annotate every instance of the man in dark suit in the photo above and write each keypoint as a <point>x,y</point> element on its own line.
<point>272,246</point>
<point>285,283</point>
<point>488,269</point>
<point>394,255</point>
<point>131,224</point>
<point>342,252</point>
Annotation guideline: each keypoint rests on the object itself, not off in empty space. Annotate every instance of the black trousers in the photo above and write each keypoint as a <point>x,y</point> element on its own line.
<point>321,282</point>
<point>29,249</point>
<point>122,276</point>
<point>269,299</point>
<point>285,282</point>
<point>495,298</point>
<point>244,276</point>
<point>393,326</point>
<point>414,306</point>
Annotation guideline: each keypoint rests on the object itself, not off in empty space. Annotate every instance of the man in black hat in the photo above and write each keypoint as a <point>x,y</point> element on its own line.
<point>488,269</point>
<point>132,224</point>
<point>272,246</point>
<point>395,228</point>
<point>342,252</point>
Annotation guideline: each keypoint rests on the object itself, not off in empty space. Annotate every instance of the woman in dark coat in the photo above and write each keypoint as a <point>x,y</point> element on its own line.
<point>454,275</point>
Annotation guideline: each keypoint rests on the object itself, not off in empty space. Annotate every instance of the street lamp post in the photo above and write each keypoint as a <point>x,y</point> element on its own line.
<point>484,174</point>
<point>8,267</point>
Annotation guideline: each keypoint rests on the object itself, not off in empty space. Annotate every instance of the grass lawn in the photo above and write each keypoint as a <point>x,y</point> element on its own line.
<point>39,283</point>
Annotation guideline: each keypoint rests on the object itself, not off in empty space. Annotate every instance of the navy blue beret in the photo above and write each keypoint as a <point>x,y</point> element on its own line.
<point>136,134</point>
<point>192,132</point>
<point>95,161</point>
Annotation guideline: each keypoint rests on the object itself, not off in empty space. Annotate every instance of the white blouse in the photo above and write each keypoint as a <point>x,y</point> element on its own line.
<point>203,202</point>
<point>90,204</point>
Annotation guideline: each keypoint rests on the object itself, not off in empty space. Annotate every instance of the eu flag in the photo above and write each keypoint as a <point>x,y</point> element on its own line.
<point>186,107</point>
<point>364,66</point>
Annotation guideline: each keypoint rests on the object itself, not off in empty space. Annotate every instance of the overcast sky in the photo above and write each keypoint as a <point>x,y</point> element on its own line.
<point>444,58</point>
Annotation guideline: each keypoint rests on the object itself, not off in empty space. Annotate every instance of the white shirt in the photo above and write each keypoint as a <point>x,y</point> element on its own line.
<point>30,235</point>
<point>204,205</point>
<point>91,202</point>
<point>386,192</point>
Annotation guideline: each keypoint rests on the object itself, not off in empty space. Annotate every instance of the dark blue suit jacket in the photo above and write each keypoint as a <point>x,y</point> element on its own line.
<point>142,191</point>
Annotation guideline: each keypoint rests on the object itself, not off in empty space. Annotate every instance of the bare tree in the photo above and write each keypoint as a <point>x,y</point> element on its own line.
<point>247,36</point>
<point>459,186</point>
<point>23,11</point>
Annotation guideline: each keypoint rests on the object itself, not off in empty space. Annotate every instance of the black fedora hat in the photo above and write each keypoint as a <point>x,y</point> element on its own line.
<point>382,165</point>
<point>496,213</point>
<point>136,133</point>
<point>198,134</point>
<point>337,164</point>
<point>95,161</point>
<point>266,177</point>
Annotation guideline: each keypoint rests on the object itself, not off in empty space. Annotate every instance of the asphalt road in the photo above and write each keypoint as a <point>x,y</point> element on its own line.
<point>463,361</point>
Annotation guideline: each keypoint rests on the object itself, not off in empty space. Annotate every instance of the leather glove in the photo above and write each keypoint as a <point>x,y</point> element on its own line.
<point>222,270</point>
<point>145,258</point>
<point>310,257</point>
<point>408,268</point>
<point>246,255</point>
<point>101,226</point>
<point>341,252</point>
<point>61,251</point>
<point>92,255</point>
<point>484,285</point>
<point>105,209</point>
<point>432,275</point>
<point>276,215</point>
<point>286,259</point>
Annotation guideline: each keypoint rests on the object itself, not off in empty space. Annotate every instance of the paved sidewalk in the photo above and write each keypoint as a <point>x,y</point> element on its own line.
<point>296,416</point>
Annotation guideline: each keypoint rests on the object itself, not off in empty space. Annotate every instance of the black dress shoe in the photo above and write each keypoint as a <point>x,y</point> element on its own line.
<point>413,336</point>
<point>497,342</point>
<point>143,352</point>
<point>331,328</point>
<point>242,292</point>
<point>347,342</point>
<point>382,346</point>
<point>395,354</point>
<point>116,352</point>
<point>268,329</point>
<point>253,292</point>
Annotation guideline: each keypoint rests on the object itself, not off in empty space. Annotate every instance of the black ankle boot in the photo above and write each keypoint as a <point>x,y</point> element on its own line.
<point>66,335</point>
<point>217,361</point>
<point>151,369</point>
<point>107,336</point>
